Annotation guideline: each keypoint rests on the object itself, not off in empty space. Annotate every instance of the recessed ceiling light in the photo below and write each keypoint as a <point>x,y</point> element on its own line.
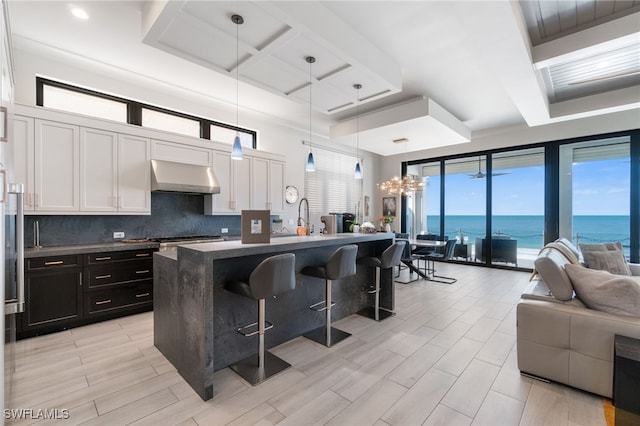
<point>79,13</point>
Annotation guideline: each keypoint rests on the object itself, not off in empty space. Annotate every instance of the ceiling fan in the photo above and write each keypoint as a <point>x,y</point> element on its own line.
<point>481,175</point>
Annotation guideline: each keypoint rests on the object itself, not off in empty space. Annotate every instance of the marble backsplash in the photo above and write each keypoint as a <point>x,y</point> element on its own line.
<point>172,214</point>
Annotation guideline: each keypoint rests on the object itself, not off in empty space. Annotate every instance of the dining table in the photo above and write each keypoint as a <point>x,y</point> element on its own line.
<point>426,272</point>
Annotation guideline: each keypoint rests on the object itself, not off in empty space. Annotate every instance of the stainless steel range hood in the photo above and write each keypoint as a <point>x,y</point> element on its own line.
<point>180,177</point>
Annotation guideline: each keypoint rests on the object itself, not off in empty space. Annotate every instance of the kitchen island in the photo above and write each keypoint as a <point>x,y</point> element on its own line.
<point>195,318</point>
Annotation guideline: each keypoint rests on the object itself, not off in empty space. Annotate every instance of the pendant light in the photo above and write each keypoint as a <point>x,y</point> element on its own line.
<point>358,171</point>
<point>311,165</point>
<point>236,151</point>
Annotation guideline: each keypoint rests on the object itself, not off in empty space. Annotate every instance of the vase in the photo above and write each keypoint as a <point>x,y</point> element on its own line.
<point>387,227</point>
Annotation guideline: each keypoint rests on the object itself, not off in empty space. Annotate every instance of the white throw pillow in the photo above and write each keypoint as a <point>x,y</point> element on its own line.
<point>604,291</point>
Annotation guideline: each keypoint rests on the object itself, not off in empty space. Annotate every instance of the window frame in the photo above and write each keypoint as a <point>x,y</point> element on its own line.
<point>134,109</point>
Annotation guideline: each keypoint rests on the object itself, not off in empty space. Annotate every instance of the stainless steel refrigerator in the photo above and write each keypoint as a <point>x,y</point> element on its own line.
<point>13,275</point>
<point>11,216</point>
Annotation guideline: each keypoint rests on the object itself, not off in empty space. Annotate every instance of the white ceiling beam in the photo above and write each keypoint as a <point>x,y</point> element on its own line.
<point>500,33</point>
<point>603,103</point>
<point>599,39</point>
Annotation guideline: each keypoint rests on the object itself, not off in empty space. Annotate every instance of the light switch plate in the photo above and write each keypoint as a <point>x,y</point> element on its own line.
<point>118,235</point>
<point>224,231</point>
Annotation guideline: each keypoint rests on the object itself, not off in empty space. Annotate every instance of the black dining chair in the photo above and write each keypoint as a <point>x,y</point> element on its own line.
<point>449,248</point>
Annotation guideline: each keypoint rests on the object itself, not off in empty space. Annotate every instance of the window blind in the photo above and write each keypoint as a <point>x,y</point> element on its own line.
<point>332,188</point>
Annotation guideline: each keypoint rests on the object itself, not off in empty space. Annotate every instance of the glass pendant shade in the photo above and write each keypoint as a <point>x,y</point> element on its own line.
<point>236,152</point>
<point>358,172</point>
<point>311,165</point>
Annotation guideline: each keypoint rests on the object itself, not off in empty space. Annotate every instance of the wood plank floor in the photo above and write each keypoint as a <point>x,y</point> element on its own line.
<point>447,358</point>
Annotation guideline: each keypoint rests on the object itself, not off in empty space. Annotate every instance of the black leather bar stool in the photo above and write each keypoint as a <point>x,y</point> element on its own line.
<point>390,258</point>
<point>273,276</point>
<point>341,264</point>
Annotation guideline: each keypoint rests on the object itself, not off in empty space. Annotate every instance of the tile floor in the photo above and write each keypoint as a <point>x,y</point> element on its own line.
<point>447,358</point>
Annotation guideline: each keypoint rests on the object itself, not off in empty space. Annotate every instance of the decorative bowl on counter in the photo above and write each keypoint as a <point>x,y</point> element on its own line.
<point>367,228</point>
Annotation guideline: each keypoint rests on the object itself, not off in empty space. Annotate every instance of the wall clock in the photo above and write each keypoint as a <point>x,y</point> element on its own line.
<point>291,194</point>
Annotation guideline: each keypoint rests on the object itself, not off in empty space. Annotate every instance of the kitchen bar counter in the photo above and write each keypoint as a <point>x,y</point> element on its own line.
<point>195,318</point>
<point>32,252</point>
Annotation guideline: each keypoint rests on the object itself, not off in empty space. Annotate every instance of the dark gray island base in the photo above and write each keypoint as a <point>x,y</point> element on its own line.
<point>195,318</point>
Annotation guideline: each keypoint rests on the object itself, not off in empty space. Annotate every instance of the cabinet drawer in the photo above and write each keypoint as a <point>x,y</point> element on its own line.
<point>97,276</point>
<point>41,263</point>
<point>97,258</point>
<point>106,301</point>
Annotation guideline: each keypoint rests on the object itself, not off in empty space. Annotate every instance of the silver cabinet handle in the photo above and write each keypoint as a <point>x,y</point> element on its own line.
<point>104,258</point>
<point>54,262</point>
<point>142,254</point>
<point>144,271</point>
<point>142,294</point>
<point>102,302</point>
<point>102,277</point>
<point>19,191</point>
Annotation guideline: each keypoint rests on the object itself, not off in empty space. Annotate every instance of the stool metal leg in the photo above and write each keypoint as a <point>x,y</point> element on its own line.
<point>257,368</point>
<point>327,335</point>
<point>376,312</point>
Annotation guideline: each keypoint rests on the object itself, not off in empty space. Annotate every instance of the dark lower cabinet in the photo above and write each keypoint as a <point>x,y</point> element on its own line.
<point>53,293</point>
<point>73,290</point>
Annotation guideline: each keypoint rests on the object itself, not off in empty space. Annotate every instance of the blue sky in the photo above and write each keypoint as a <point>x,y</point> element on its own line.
<point>599,188</point>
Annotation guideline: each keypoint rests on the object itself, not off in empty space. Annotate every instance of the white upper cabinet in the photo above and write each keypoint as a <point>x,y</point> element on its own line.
<point>23,157</point>
<point>97,167</point>
<point>268,185</point>
<point>134,177</point>
<point>98,170</point>
<point>235,185</point>
<point>114,170</point>
<point>277,176</point>
<point>57,167</point>
<point>253,183</point>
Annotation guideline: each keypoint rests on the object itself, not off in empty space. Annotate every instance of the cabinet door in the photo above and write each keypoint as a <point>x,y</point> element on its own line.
<point>57,167</point>
<point>276,186</point>
<point>98,170</point>
<point>134,181</point>
<point>260,184</point>
<point>52,299</point>
<point>243,192</point>
<point>23,162</point>
<point>222,203</point>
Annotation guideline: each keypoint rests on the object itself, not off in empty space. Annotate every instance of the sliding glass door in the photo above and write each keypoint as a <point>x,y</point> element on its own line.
<point>465,204</point>
<point>517,206</point>
<point>595,191</point>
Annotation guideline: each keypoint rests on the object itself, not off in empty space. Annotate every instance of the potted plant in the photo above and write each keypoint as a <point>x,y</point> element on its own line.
<point>385,223</point>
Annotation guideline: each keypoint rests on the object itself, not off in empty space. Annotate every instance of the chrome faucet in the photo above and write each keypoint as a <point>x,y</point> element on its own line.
<point>306,218</point>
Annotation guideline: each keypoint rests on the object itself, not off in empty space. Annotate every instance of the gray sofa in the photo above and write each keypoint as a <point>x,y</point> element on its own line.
<point>559,338</point>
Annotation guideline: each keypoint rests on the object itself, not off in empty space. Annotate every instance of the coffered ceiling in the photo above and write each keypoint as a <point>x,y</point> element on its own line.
<point>480,64</point>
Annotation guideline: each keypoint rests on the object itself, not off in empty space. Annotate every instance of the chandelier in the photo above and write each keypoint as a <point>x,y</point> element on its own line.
<point>404,185</point>
<point>401,186</point>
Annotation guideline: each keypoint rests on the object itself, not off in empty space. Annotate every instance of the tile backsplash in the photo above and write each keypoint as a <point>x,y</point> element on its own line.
<point>172,214</point>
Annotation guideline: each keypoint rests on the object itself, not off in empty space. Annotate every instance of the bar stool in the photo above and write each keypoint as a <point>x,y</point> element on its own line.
<point>341,264</point>
<point>390,258</point>
<point>273,276</point>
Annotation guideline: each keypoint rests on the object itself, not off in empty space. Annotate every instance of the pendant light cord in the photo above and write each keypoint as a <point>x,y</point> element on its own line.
<point>310,60</point>
<point>237,78</point>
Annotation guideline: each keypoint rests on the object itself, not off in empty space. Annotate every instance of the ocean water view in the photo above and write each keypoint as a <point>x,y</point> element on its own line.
<point>528,230</point>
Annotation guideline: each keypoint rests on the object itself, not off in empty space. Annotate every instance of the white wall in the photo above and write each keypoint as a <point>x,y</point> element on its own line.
<point>277,136</point>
